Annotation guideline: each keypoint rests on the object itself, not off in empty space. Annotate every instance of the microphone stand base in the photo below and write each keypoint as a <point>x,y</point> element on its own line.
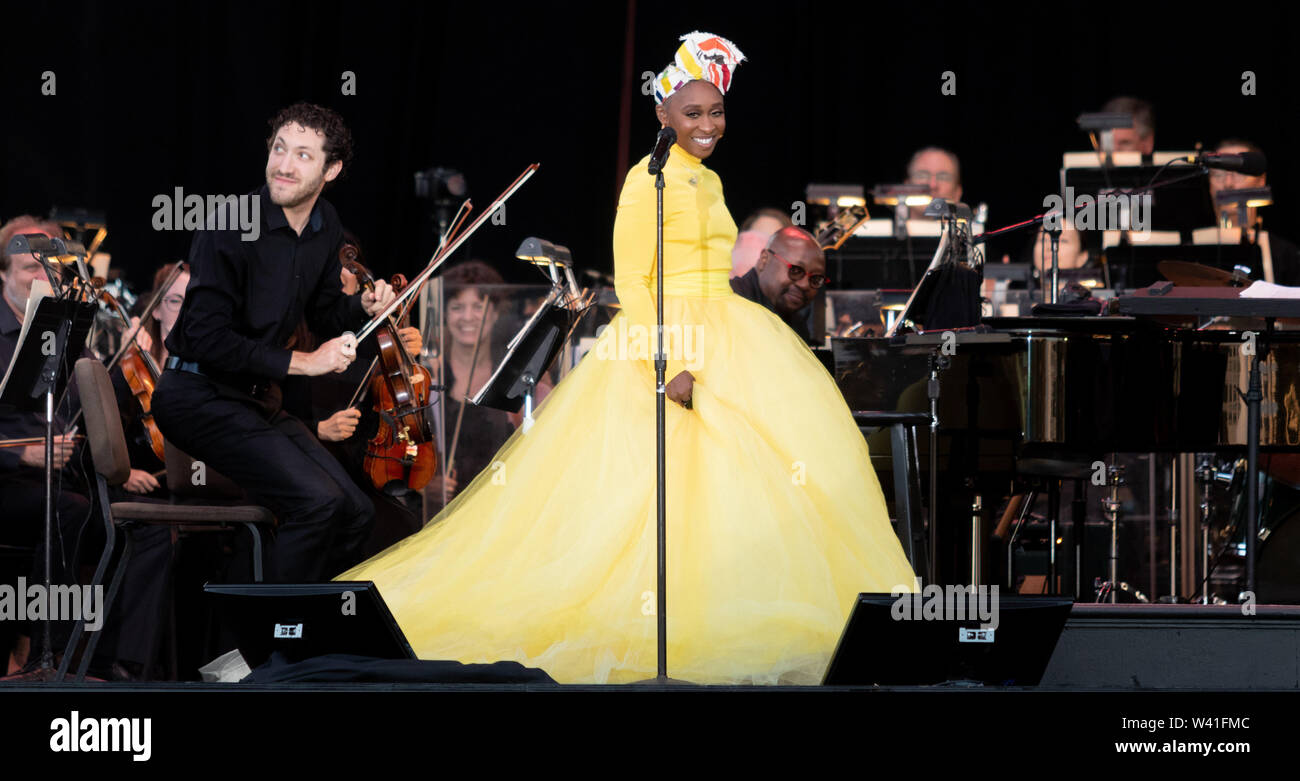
<point>661,680</point>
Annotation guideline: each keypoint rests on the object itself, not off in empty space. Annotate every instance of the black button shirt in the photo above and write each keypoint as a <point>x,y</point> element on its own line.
<point>245,298</point>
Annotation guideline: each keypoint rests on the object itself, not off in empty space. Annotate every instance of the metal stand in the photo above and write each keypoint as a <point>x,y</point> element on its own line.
<point>1254,395</point>
<point>1111,508</point>
<point>661,474</point>
<point>937,362</point>
<point>1205,475</point>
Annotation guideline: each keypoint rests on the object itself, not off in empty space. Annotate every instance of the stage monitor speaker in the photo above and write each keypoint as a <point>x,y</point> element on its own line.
<point>889,643</point>
<point>304,620</point>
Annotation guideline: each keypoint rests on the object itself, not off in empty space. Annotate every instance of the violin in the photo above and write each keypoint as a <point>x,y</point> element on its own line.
<point>141,372</point>
<point>402,449</point>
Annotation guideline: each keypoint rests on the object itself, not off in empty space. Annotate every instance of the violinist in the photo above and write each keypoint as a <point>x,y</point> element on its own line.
<point>219,398</point>
<point>474,301</point>
<point>131,629</point>
<point>343,411</point>
<point>147,467</point>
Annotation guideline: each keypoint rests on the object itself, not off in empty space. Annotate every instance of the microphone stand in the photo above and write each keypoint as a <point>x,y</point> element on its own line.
<point>661,369</point>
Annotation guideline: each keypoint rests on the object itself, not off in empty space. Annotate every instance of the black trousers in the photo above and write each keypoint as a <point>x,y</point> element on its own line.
<point>323,517</point>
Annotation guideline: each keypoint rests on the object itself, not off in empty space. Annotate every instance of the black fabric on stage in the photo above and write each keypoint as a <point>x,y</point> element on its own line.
<point>344,667</point>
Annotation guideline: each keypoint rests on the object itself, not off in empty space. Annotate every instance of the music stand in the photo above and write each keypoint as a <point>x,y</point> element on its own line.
<point>1178,205</point>
<point>37,373</point>
<point>529,355</point>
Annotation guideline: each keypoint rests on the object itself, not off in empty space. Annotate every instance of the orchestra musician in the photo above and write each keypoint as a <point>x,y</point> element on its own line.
<point>473,433</point>
<point>754,233</point>
<point>325,404</point>
<point>939,170</point>
<point>1283,260</point>
<point>1141,137</point>
<point>219,398</point>
<point>130,631</point>
<point>790,271</point>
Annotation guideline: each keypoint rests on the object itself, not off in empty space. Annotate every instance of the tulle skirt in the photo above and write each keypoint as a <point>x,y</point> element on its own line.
<point>775,519</point>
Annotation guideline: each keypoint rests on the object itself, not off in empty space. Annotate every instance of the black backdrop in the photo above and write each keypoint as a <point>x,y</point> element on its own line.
<point>155,96</point>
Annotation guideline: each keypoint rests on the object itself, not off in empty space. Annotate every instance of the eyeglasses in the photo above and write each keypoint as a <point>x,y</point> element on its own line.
<point>815,281</point>
<point>923,177</point>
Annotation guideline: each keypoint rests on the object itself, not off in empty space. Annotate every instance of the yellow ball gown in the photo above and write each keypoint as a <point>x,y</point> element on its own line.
<point>775,519</point>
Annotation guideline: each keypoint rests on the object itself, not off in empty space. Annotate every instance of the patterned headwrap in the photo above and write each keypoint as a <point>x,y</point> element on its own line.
<point>701,56</point>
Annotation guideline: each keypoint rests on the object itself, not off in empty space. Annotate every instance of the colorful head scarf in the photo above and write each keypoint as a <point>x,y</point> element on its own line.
<point>701,56</point>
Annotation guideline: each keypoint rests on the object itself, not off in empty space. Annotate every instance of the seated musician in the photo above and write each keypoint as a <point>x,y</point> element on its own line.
<point>146,467</point>
<point>1142,136</point>
<point>939,170</point>
<point>790,271</point>
<point>1283,263</point>
<point>1074,260</point>
<point>130,631</point>
<point>322,403</point>
<point>753,236</point>
<point>473,307</point>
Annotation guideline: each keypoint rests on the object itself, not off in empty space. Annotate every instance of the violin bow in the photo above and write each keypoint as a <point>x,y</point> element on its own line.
<point>148,310</point>
<point>469,387</point>
<point>464,210</point>
<point>445,253</point>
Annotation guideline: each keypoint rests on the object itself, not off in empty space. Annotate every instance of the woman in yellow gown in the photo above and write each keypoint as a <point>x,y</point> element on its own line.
<point>775,519</point>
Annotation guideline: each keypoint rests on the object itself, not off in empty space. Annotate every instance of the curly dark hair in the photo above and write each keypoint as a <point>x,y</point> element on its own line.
<point>338,139</point>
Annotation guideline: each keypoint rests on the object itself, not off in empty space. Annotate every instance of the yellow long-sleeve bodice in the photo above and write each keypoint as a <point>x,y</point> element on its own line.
<point>698,237</point>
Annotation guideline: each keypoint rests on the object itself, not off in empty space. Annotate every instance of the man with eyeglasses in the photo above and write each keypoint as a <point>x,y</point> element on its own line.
<point>1283,259</point>
<point>790,271</point>
<point>937,169</point>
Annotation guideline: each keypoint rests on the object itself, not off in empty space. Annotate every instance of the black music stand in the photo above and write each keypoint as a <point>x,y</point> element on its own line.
<point>38,372</point>
<point>1181,205</point>
<point>528,356</point>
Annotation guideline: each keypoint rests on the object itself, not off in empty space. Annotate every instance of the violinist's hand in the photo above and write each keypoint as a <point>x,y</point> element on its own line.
<point>142,338</point>
<point>34,455</point>
<point>333,356</point>
<point>411,341</point>
<point>375,302</point>
<point>679,389</point>
<point>449,484</point>
<point>339,426</point>
<point>140,482</point>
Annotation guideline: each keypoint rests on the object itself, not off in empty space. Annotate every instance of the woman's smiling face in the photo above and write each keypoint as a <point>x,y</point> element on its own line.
<point>695,112</point>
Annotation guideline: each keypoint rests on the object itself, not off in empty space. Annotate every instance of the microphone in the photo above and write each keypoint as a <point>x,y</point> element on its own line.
<point>1245,163</point>
<point>659,154</point>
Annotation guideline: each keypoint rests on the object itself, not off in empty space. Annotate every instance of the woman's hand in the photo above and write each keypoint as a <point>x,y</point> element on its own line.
<point>679,389</point>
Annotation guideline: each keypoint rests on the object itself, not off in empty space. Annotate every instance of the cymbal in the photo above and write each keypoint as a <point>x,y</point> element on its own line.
<point>1181,272</point>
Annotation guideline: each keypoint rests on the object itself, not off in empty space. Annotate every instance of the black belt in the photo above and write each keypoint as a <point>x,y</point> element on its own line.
<point>175,362</point>
<point>242,383</point>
